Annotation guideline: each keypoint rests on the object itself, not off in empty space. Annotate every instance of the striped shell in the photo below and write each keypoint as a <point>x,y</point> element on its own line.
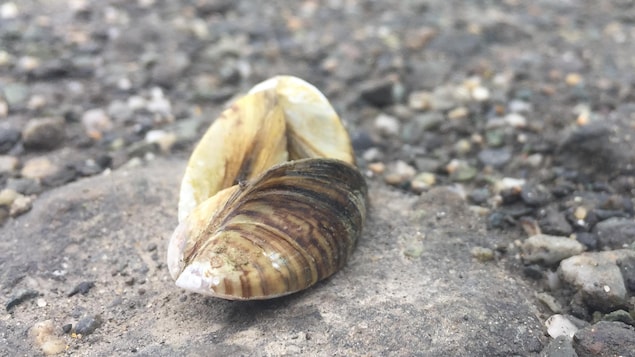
<point>271,201</point>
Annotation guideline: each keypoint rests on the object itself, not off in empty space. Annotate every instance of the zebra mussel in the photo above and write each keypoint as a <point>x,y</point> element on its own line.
<point>271,201</point>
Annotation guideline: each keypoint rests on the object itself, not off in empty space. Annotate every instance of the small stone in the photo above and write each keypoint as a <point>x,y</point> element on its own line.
<point>164,140</point>
<point>7,196</point>
<point>549,250</point>
<point>67,328</point>
<point>362,141</point>
<point>627,267</point>
<point>43,134</point>
<point>621,316</point>
<point>422,182</point>
<point>9,137</point>
<point>460,170</point>
<point>554,223</point>
<point>377,168</point>
<point>25,186</point>
<point>458,113</point>
<point>419,100</point>
<point>380,93</point>
<point>387,125</point>
<point>82,288</point>
<point>561,346</point>
<point>4,106</point>
<point>372,155</point>
<point>20,298</point>
<point>8,164</point>
<point>479,196</point>
<point>590,240</point>
<point>151,247</point>
<point>88,325</point>
<point>615,233</point>
<point>605,339</point>
<point>495,157</point>
<point>573,79</point>
<point>399,173</point>
<point>9,10</point>
<point>96,122</point>
<point>62,176</point>
<point>38,168</point>
<point>598,278</point>
<point>550,302</point>
<point>480,94</point>
<point>559,325</point>
<point>21,205</point>
<point>535,195</point>
<point>515,120</point>
<point>482,254</point>
<point>15,94</point>
<point>40,302</point>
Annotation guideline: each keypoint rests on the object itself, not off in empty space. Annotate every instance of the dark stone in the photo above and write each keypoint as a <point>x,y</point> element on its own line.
<point>82,288</point>
<point>535,195</point>
<point>64,175</point>
<point>627,267</point>
<point>88,325</point>
<point>479,196</point>
<point>581,225</point>
<point>8,138</point>
<point>534,271</point>
<point>553,222</point>
<point>361,141</point>
<point>380,93</point>
<point>67,328</point>
<point>590,240</point>
<point>20,298</point>
<point>615,233</point>
<point>43,134</point>
<point>25,186</point>
<point>605,339</point>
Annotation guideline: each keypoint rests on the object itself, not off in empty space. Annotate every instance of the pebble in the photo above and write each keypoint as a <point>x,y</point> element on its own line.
<point>7,196</point>
<point>8,138</point>
<point>460,170</point>
<point>88,325</point>
<point>560,325</point>
<point>559,347</point>
<point>605,339</point>
<point>458,113</point>
<point>553,222</point>
<point>20,298</point>
<point>599,279</point>
<point>21,205</point>
<point>535,195</point>
<point>9,10</point>
<point>422,182</point>
<point>387,125</point>
<point>96,122</point>
<point>515,120</point>
<point>495,157</point>
<point>81,288</point>
<point>44,337</point>
<point>44,133</point>
<point>482,254</point>
<point>163,139</point>
<point>549,301</point>
<point>615,233</point>
<point>549,250</point>
<point>399,173</point>
<point>25,186</point>
<point>380,93</point>
<point>38,168</point>
<point>63,175</point>
<point>373,155</point>
<point>15,94</point>
<point>590,240</point>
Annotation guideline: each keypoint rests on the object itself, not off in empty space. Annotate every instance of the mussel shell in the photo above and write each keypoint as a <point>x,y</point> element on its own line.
<point>282,232</point>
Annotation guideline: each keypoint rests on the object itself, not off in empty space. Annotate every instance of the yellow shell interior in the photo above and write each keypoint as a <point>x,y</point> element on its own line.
<point>254,222</point>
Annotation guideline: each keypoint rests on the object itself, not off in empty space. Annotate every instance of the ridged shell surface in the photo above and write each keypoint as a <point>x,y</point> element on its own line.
<point>271,201</point>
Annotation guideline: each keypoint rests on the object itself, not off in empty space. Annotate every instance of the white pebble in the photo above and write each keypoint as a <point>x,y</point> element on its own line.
<point>387,125</point>
<point>560,325</point>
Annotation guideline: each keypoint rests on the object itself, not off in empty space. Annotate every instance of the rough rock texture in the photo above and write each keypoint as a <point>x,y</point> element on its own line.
<point>605,339</point>
<point>113,230</point>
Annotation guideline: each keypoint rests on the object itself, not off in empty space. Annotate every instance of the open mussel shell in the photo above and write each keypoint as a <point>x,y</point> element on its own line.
<point>283,118</point>
<point>279,233</point>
